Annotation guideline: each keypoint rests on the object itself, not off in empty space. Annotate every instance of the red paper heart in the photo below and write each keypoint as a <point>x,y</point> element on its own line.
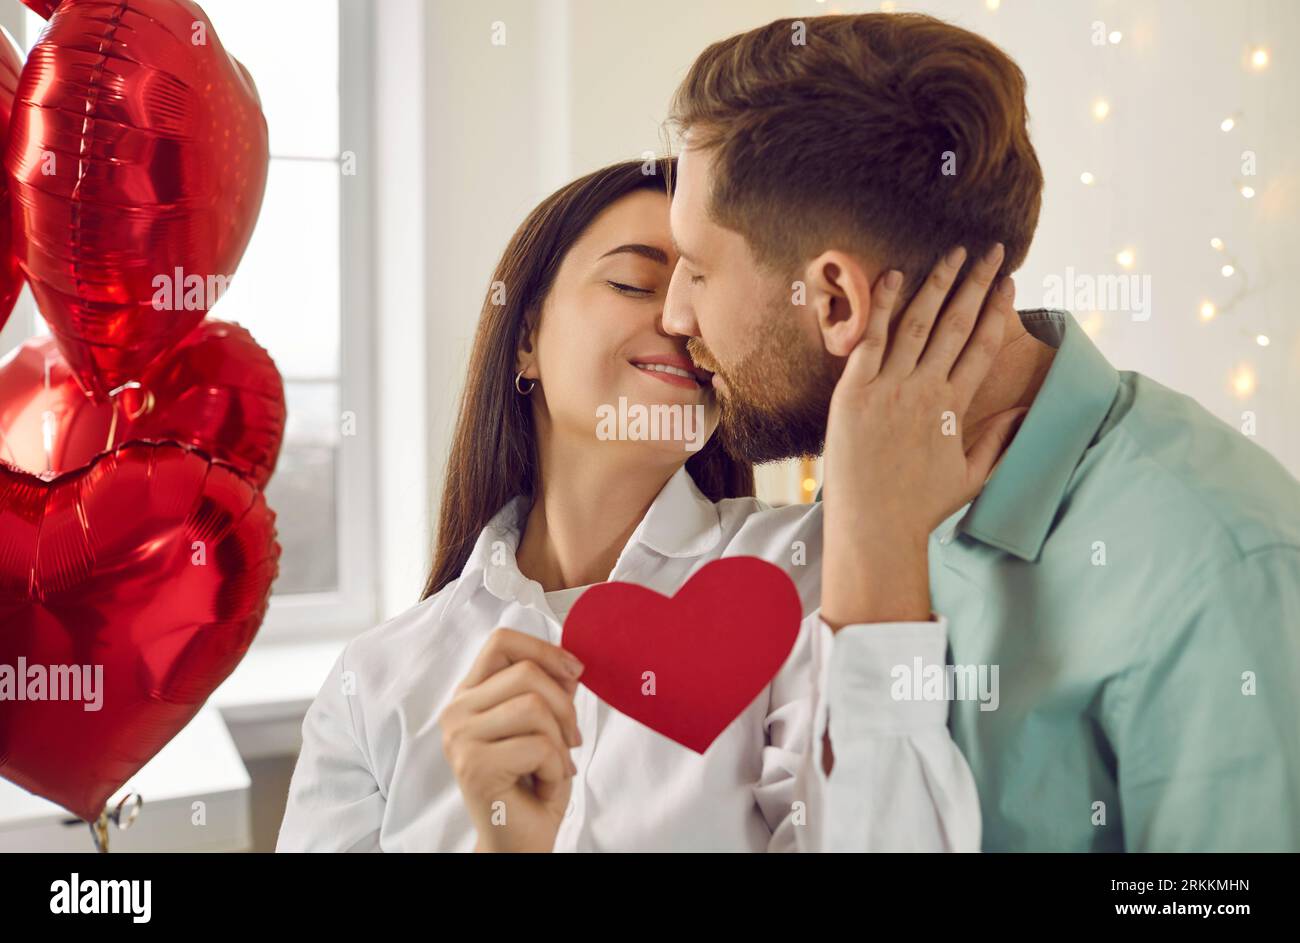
<point>712,647</point>
<point>154,563</point>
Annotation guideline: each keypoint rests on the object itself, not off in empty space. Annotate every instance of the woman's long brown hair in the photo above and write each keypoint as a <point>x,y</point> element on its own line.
<point>493,453</point>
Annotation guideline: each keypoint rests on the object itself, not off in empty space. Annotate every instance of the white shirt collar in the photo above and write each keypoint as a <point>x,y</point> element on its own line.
<point>681,522</point>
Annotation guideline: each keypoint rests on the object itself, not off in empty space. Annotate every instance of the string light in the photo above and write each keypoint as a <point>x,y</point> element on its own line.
<point>807,480</point>
<point>1243,381</point>
<point>993,5</point>
<point>1209,310</point>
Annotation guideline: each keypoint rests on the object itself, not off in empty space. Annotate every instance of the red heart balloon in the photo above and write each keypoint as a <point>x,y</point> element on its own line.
<point>11,276</point>
<point>152,566</point>
<point>711,648</point>
<point>137,161</point>
<point>217,391</point>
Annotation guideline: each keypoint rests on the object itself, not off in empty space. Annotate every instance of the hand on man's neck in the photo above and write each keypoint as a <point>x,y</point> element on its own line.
<point>1014,380</point>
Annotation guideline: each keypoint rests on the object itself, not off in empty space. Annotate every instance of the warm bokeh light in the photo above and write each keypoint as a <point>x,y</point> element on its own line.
<point>1262,340</point>
<point>1125,258</point>
<point>1100,109</point>
<point>1227,271</point>
<point>1227,124</point>
<point>1248,192</point>
<point>1115,36</point>
<point>1259,58</point>
<point>1087,179</point>
<point>1208,310</point>
<point>1243,381</point>
<point>1216,244</point>
<point>993,4</point>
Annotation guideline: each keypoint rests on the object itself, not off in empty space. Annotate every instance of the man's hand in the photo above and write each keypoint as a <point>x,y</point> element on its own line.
<point>507,734</point>
<point>895,465</point>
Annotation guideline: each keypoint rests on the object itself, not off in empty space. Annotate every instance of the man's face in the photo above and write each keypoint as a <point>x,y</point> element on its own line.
<point>772,374</point>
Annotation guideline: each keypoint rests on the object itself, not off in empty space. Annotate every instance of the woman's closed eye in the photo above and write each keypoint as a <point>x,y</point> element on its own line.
<point>623,289</point>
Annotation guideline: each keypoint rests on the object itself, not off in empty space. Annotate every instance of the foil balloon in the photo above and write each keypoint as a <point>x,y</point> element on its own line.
<point>11,277</point>
<point>137,159</point>
<point>217,391</point>
<point>129,590</point>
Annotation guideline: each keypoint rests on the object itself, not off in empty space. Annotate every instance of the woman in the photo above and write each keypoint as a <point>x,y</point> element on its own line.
<point>460,724</point>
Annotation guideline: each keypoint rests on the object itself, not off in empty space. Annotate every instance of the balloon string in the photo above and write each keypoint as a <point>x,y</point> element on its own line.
<point>47,421</point>
<point>112,429</point>
<point>99,832</point>
<point>47,440</point>
<point>112,395</point>
<point>123,816</point>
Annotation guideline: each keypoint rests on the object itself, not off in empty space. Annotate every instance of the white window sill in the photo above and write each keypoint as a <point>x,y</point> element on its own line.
<point>196,798</point>
<point>264,700</point>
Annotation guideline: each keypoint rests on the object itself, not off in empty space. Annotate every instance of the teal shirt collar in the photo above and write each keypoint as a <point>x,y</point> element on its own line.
<point>1015,510</point>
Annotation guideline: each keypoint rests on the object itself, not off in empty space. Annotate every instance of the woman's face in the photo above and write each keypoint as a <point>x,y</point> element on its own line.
<point>606,372</point>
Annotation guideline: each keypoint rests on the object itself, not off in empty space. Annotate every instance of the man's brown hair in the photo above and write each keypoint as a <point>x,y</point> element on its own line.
<point>843,140</point>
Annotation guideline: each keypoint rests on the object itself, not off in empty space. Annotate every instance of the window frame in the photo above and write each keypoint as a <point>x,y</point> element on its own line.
<point>352,605</point>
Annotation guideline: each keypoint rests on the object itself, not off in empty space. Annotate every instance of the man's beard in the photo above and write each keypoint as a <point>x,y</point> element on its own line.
<point>778,395</point>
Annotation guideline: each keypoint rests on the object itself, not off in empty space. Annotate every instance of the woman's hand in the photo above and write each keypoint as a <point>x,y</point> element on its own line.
<point>507,733</point>
<point>896,463</point>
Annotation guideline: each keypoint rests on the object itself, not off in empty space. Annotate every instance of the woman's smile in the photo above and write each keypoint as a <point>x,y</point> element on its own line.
<point>675,371</point>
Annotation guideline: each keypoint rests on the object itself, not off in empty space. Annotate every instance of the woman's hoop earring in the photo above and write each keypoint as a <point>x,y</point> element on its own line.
<point>519,387</point>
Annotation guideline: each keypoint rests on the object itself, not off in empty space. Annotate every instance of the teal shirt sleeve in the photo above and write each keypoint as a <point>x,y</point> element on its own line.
<point>1207,724</point>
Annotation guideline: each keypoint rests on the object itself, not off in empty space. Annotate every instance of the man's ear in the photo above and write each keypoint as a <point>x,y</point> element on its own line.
<point>839,291</point>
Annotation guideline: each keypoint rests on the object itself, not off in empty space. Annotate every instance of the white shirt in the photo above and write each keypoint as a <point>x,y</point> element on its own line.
<point>560,601</point>
<point>372,775</point>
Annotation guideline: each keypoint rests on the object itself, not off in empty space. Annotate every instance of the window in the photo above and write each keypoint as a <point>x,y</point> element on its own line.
<point>301,290</point>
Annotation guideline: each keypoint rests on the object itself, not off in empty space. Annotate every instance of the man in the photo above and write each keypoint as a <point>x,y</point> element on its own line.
<point>1127,581</point>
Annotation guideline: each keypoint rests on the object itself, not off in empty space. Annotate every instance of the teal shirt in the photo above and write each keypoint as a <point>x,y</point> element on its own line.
<point>1133,569</point>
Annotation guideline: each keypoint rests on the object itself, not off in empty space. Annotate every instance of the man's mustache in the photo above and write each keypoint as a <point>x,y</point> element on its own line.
<point>700,355</point>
